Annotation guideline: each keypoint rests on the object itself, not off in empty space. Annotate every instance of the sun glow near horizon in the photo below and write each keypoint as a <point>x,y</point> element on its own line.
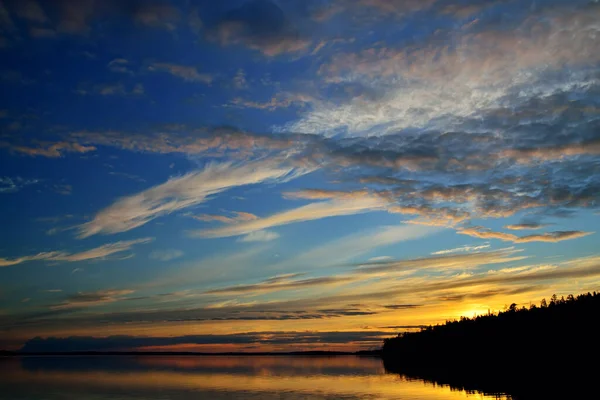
<point>259,174</point>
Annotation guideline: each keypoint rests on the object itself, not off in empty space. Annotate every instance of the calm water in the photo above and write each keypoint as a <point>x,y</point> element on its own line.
<point>182,378</point>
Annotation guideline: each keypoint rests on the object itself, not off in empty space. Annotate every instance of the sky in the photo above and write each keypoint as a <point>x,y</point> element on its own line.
<point>277,175</point>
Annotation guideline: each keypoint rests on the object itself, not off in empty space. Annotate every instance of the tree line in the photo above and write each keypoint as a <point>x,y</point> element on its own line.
<point>551,347</point>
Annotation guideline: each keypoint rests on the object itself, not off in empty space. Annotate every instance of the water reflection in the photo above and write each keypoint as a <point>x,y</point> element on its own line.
<point>164,377</point>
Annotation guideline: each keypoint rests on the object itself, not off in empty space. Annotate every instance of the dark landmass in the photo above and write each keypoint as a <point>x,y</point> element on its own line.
<point>550,351</point>
<point>188,353</point>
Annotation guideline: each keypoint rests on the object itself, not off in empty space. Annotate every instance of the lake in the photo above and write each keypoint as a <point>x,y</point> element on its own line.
<point>212,377</point>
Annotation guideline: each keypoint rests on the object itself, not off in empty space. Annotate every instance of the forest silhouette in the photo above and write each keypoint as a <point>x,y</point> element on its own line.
<point>545,351</point>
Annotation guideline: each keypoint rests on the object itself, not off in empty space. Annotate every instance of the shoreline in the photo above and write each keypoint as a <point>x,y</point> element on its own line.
<point>374,353</point>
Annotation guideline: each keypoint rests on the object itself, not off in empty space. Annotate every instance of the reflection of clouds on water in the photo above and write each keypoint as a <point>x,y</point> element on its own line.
<point>219,377</point>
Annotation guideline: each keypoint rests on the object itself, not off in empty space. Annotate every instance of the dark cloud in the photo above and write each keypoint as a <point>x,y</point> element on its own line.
<point>81,343</point>
<point>449,261</point>
<point>549,237</point>
<point>296,315</point>
<point>260,25</point>
<point>541,275</point>
<point>490,293</point>
<point>403,327</point>
<point>30,10</point>
<point>526,226</point>
<point>86,299</point>
<point>75,16</point>
<point>185,72</point>
<point>401,306</point>
<point>157,15</point>
<point>275,284</point>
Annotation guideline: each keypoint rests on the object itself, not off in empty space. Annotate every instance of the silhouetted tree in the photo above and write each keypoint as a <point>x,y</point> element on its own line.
<point>508,346</point>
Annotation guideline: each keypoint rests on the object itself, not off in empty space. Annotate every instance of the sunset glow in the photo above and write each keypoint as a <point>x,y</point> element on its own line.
<point>271,176</point>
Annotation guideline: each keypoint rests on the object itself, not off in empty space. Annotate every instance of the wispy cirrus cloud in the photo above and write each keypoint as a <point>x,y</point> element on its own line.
<point>165,255</point>
<point>91,299</point>
<point>31,11</point>
<point>462,249</point>
<point>13,185</point>
<point>237,216</point>
<point>526,226</point>
<point>279,283</point>
<point>443,261</point>
<point>180,193</point>
<point>435,84</point>
<point>52,150</point>
<point>282,100</point>
<point>162,16</point>
<point>259,236</point>
<point>185,72</point>
<point>95,253</point>
<point>120,65</point>
<point>348,247</point>
<point>549,237</point>
<point>347,204</point>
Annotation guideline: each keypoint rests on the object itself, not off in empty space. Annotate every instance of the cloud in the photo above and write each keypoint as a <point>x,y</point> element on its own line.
<point>187,73</point>
<point>579,268</point>
<point>401,7</point>
<point>219,142</point>
<point>281,100</point>
<point>6,23</point>
<point>13,185</point>
<point>95,253</point>
<point>557,152</point>
<point>75,16</point>
<point>357,244</point>
<point>165,255</point>
<point>366,8</point>
<point>454,76</point>
<point>280,283</point>
<point>195,22</point>
<point>31,11</point>
<point>526,226</point>
<point>52,150</point>
<point>90,299</point>
<point>260,236</point>
<point>358,298</point>
<point>401,306</point>
<point>37,32</point>
<point>239,80</point>
<point>110,89</point>
<point>237,216</point>
<point>260,25</point>
<point>463,249</point>
<point>119,65</point>
<point>549,237</point>
<point>79,343</point>
<point>160,16</point>
<point>62,189</point>
<point>133,177</point>
<point>444,261</point>
<point>138,89</point>
<point>347,204</point>
<point>180,193</point>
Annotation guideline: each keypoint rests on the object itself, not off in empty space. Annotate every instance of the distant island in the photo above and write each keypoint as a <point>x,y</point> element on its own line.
<point>189,353</point>
<point>537,352</point>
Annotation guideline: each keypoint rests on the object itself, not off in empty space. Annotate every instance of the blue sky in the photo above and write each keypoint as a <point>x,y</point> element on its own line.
<point>320,172</point>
